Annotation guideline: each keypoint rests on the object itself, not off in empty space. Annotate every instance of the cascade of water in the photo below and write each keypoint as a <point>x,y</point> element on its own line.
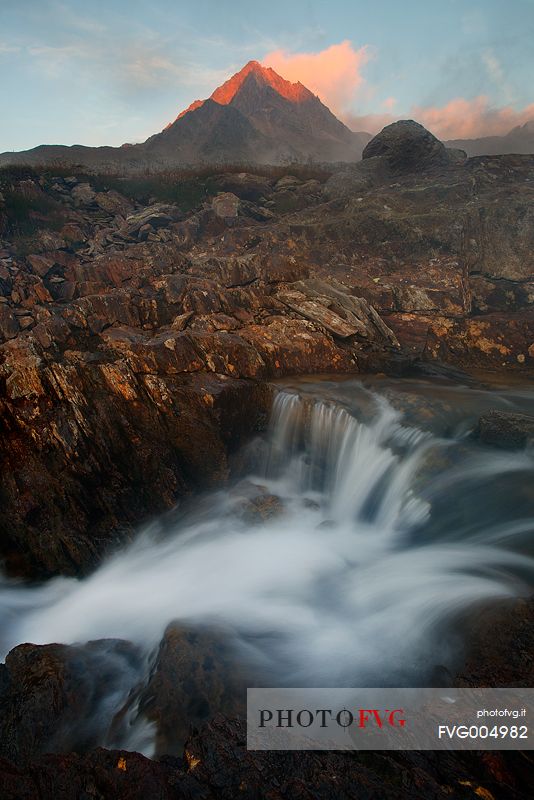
<point>349,583</point>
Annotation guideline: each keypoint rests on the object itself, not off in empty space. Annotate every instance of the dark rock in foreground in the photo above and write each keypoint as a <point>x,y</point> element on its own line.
<point>217,766</point>
<point>56,698</point>
<point>505,429</point>
<point>196,676</point>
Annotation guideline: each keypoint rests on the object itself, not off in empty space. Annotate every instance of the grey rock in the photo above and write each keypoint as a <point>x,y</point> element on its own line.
<point>505,429</point>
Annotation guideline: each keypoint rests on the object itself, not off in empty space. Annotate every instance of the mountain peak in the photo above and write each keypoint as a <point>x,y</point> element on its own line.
<point>258,115</point>
<point>264,76</point>
<point>295,92</point>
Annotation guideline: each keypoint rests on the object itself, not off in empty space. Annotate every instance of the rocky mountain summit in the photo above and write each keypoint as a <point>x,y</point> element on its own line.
<point>255,117</point>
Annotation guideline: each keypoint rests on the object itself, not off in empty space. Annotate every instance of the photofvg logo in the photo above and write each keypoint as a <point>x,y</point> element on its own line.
<point>325,717</point>
<point>387,719</point>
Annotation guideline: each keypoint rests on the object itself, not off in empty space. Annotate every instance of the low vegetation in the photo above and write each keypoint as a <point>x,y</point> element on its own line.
<point>187,187</point>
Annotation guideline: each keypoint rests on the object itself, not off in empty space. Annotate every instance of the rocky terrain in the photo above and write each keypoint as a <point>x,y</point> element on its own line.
<point>138,339</point>
<point>49,687</point>
<point>125,320</point>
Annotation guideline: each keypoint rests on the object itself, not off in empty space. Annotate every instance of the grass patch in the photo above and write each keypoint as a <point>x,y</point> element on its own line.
<point>187,187</point>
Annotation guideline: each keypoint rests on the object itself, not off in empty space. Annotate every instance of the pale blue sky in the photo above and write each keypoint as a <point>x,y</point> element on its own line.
<point>110,71</point>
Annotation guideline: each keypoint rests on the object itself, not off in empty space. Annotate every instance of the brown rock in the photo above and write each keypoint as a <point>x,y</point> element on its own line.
<point>9,326</point>
<point>226,205</point>
<point>41,265</point>
<point>196,676</point>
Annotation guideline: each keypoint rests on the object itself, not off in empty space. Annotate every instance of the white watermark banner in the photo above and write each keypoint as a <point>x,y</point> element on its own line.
<point>390,719</point>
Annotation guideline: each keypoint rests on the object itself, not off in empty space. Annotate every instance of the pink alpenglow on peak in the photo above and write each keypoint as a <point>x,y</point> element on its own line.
<point>294,92</point>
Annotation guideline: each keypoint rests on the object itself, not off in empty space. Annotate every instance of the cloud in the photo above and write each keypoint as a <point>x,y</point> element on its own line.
<point>8,48</point>
<point>457,119</point>
<point>466,119</point>
<point>141,68</point>
<point>334,74</point>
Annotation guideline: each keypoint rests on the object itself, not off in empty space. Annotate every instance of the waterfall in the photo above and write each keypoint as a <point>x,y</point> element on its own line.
<point>384,533</point>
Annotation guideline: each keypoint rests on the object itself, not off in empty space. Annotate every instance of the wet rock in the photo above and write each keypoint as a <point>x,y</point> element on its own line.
<point>82,487</point>
<point>196,675</point>
<point>407,146</point>
<point>255,504</point>
<point>505,429</point>
<point>47,691</point>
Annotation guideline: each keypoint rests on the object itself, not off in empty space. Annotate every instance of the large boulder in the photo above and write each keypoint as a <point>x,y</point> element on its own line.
<point>407,146</point>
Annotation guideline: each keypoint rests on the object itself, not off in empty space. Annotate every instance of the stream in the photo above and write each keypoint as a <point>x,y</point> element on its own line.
<point>360,531</point>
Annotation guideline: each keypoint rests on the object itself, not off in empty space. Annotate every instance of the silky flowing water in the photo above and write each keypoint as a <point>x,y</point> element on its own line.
<point>392,524</point>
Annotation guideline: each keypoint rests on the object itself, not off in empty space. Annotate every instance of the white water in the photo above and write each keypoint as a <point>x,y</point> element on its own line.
<point>354,583</point>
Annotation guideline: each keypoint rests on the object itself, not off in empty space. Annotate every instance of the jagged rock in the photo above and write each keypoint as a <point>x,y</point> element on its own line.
<point>505,429</point>
<point>343,315</point>
<point>157,215</point>
<point>407,146</point>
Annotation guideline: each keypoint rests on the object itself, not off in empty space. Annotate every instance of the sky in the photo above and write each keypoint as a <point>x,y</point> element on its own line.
<point>101,72</point>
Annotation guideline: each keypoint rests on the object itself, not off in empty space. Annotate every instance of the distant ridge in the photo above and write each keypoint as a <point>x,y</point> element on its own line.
<point>519,140</point>
<point>256,116</point>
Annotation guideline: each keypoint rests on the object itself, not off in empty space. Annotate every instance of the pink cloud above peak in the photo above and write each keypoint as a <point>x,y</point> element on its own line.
<point>334,74</point>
